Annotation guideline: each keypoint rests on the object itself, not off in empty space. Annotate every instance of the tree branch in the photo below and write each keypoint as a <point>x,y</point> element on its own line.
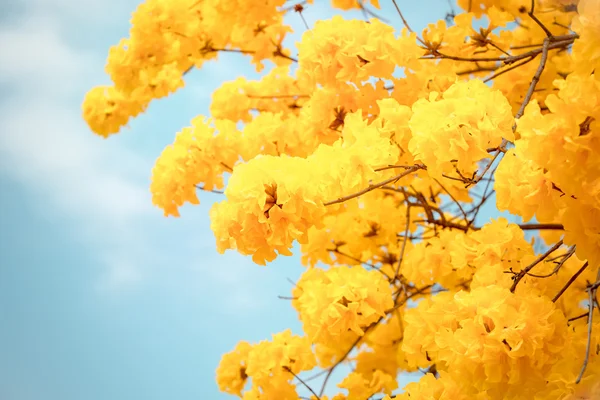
<point>592,289</point>
<point>288,369</point>
<point>376,185</point>
<point>541,258</point>
<point>569,282</point>
<point>547,227</point>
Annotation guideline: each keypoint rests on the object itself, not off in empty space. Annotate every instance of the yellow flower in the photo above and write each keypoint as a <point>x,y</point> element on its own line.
<point>454,129</point>
<point>586,49</point>
<point>495,341</point>
<point>231,372</point>
<point>337,305</point>
<point>360,388</point>
<point>106,110</point>
<point>523,189</point>
<point>197,157</point>
<point>268,206</point>
<point>338,50</point>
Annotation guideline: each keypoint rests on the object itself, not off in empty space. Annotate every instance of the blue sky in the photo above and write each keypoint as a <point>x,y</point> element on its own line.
<point>101,297</point>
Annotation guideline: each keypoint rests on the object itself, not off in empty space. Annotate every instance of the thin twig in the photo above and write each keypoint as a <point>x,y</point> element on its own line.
<point>592,294</point>
<point>405,22</point>
<point>358,260</point>
<point>557,42</point>
<point>514,66</point>
<point>376,185</point>
<point>585,314</point>
<point>288,369</point>
<point>276,96</point>
<point>392,167</point>
<point>548,227</point>
<point>537,21</point>
<point>569,282</point>
<point>455,201</point>
<point>501,150</point>
<point>299,8</point>
<point>534,81</point>
<point>211,191</point>
<point>401,256</point>
<point>541,258</point>
<point>559,264</point>
<point>402,17</point>
<point>338,362</point>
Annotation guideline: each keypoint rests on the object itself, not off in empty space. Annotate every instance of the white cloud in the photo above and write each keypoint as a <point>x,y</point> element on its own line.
<point>92,10</point>
<point>98,185</point>
<point>33,53</point>
<point>120,273</point>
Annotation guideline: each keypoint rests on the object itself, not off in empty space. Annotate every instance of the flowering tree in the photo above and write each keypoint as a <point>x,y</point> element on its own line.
<point>376,150</point>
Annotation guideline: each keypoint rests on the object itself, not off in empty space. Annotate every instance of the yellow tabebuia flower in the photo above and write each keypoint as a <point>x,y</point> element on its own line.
<point>269,365</point>
<point>106,110</point>
<point>198,155</point>
<point>338,305</point>
<point>454,129</point>
<point>231,372</point>
<point>360,388</point>
<point>265,210</point>
<point>338,50</point>
<point>586,49</point>
<point>523,189</point>
<point>498,342</point>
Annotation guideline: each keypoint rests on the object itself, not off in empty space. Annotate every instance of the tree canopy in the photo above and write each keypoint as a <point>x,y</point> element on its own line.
<point>375,148</point>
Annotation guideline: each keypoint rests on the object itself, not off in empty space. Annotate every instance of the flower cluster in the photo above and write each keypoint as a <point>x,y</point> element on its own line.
<point>338,51</point>
<point>498,342</point>
<point>270,365</point>
<point>198,155</point>
<point>338,305</point>
<point>453,130</point>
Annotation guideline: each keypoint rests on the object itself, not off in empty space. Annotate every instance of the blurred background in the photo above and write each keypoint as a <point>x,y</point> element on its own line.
<point>101,297</point>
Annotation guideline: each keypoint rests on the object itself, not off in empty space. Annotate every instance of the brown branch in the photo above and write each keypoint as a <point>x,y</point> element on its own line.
<point>401,256</point>
<point>419,291</point>
<point>454,200</point>
<point>513,66</point>
<point>541,258</point>
<point>534,81</point>
<point>537,21</point>
<point>276,96</point>
<point>288,369</point>
<point>559,264</point>
<point>376,185</point>
<point>556,43</point>
<point>213,49</point>
<point>406,23</point>
<point>585,314</point>
<point>592,289</point>
<point>501,150</point>
<point>449,224</point>
<point>569,282</point>
<point>547,227</point>
<point>392,167</point>
<point>358,260</point>
<point>227,167</point>
<point>299,8</point>
<point>475,211</point>
<point>366,330</point>
<point>402,17</point>
<point>211,191</point>
<point>366,12</point>
<point>338,362</point>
